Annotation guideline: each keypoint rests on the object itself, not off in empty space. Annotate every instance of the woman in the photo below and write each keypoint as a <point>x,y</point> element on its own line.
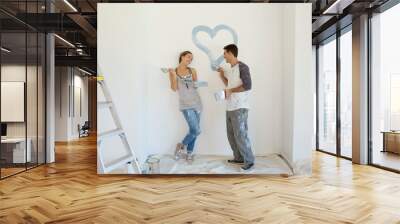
<point>183,80</point>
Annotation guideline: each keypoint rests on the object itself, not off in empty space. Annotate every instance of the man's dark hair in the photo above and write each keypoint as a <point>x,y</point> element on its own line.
<point>232,48</point>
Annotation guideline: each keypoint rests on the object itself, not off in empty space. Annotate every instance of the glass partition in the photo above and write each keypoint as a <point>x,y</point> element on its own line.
<point>327,97</point>
<point>14,154</point>
<point>346,94</point>
<point>22,77</point>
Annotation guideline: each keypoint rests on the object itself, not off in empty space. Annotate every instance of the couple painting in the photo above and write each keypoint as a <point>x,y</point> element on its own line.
<point>238,84</point>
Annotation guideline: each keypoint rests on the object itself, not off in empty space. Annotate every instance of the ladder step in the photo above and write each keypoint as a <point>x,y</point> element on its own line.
<point>104,104</point>
<point>119,163</point>
<point>110,133</point>
<point>128,160</point>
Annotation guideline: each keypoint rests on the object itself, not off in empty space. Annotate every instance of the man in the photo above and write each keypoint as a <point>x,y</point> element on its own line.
<point>238,84</point>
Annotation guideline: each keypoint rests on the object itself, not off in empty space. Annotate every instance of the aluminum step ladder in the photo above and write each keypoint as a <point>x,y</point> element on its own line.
<point>130,160</point>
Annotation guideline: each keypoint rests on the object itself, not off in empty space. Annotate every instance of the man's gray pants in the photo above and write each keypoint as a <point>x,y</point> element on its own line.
<point>236,125</point>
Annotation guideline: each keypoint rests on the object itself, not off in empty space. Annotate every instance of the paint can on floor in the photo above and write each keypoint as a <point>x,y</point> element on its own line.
<point>152,165</point>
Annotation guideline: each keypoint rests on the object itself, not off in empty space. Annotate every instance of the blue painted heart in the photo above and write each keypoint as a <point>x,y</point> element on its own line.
<point>214,62</point>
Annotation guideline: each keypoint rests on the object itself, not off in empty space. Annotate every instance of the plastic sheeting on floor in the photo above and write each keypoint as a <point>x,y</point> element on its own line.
<point>211,164</point>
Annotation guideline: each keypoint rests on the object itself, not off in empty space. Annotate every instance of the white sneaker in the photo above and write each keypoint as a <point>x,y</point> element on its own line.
<point>180,151</point>
<point>190,157</point>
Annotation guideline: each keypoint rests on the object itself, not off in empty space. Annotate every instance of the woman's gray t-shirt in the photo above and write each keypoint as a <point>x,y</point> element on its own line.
<point>189,97</point>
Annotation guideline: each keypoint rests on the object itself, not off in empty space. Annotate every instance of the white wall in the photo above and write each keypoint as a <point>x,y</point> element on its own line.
<point>303,87</point>
<point>61,103</point>
<point>69,82</point>
<point>80,83</point>
<point>298,89</point>
<point>149,109</point>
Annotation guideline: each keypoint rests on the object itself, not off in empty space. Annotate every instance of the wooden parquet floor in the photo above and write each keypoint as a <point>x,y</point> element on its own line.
<point>70,191</point>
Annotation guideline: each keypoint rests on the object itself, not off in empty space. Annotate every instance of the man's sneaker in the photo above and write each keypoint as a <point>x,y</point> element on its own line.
<point>179,151</point>
<point>247,166</point>
<point>189,157</point>
<point>235,161</point>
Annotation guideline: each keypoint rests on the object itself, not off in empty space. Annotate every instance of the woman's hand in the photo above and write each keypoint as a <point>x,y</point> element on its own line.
<point>172,71</point>
<point>172,79</point>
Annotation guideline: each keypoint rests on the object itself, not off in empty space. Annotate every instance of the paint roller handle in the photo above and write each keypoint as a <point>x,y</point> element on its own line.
<point>168,70</point>
<point>215,66</point>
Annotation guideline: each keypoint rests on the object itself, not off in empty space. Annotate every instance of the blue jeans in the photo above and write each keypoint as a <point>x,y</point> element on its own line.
<point>192,118</point>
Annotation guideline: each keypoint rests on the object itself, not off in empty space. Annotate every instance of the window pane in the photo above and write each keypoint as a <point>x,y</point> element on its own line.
<point>346,93</point>
<point>327,97</point>
<point>386,89</point>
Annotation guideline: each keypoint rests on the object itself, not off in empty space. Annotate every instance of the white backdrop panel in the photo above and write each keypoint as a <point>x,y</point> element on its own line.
<point>151,36</point>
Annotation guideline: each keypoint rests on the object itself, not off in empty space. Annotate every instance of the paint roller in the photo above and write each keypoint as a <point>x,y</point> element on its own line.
<point>197,84</point>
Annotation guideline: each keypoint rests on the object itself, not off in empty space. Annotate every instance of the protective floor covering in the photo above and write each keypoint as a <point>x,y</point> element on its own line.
<point>211,164</point>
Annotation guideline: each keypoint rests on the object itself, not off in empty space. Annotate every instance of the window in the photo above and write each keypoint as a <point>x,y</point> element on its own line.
<point>346,94</point>
<point>385,89</point>
<point>327,97</point>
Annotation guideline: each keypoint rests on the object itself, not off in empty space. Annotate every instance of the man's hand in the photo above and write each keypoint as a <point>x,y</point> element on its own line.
<point>222,76</point>
<point>228,93</point>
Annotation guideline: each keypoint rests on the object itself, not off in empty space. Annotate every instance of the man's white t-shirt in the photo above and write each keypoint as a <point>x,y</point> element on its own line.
<point>236,100</point>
